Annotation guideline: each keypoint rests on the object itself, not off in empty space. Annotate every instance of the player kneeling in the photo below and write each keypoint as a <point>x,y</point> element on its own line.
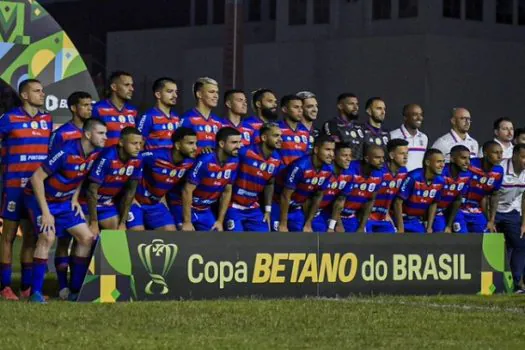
<point>52,200</point>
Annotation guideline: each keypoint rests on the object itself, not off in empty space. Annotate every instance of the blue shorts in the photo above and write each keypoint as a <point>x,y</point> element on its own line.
<point>65,217</point>
<point>350,223</point>
<point>414,225</point>
<point>320,222</point>
<point>296,218</point>
<point>151,217</point>
<point>104,212</point>
<point>202,220</point>
<point>375,226</point>
<point>13,207</point>
<point>251,220</point>
<point>440,223</point>
<point>470,222</point>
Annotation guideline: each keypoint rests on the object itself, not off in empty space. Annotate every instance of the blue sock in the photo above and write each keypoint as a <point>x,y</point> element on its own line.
<point>5,279</point>
<point>61,266</point>
<point>79,269</point>
<point>27,276</point>
<point>39,273</point>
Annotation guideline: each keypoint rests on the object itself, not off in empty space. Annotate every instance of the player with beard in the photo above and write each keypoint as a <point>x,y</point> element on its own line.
<point>236,110</point>
<point>344,128</point>
<point>264,104</point>
<point>116,111</point>
<point>296,136</point>
<point>310,111</point>
<point>519,136</point>
<point>410,131</point>
<point>374,133</point>
<point>503,134</point>
<point>200,118</point>
<point>158,124</point>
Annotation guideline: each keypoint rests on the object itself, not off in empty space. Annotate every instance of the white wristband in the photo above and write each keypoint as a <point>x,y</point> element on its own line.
<point>331,224</point>
<point>267,208</point>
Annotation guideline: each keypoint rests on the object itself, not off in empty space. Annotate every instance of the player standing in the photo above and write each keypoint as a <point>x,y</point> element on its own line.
<point>116,111</point>
<point>25,133</point>
<point>295,135</point>
<point>236,110</point>
<point>373,129</point>
<point>52,200</point>
<point>310,111</point>
<point>158,124</point>
<point>164,171</point>
<point>264,104</point>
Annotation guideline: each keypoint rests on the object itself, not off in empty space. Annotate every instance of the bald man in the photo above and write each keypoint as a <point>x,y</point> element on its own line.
<point>458,135</point>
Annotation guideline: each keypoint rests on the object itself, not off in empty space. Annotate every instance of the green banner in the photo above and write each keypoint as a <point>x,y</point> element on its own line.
<point>151,265</point>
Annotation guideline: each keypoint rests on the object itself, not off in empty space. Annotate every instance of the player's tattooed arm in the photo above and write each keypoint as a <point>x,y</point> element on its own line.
<point>187,200</point>
<point>125,206</point>
<point>452,213</point>
<point>364,213</point>
<point>315,201</point>
<point>398,214</point>
<point>431,216</point>
<point>92,199</point>
<point>337,208</point>
<point>223,207</point>
<point>286,197</point>
<point>37,181</point>
<point>268,194</point>
<point>492,208</point>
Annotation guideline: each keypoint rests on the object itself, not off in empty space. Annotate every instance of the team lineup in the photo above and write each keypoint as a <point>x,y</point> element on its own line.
<point>111,168</point>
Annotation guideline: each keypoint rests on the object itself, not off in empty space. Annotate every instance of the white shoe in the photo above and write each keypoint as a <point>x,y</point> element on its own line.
<point>63,294</point>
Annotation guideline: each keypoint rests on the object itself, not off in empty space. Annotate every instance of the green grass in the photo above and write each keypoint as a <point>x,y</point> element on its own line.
<point>380,322</point>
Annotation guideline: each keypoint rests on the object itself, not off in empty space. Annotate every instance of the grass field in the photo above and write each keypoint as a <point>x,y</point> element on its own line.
<point>462,322</point>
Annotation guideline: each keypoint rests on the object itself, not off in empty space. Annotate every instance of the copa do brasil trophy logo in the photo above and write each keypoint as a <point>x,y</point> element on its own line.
<point>153,256</point>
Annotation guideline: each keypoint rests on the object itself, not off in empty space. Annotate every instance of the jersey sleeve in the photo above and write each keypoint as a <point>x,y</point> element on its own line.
<point>55,162</point>
<point>325,185</point>
<point>95,113</point>
<point>99,170</point>
<point>186,123</point>
<point>144,125</point>
<point>406,188</point>
<point>5,126</point>
<point>137,172</point>
<point>198,171</point>
<point>499,182</point>
<point>55,141</point>
<point>294,175</point>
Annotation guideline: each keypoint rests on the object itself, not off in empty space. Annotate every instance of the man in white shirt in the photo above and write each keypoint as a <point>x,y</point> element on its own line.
<point>458,135</point>
<point>409,131</point>
<point>509,216</point>
<point>503,134</point>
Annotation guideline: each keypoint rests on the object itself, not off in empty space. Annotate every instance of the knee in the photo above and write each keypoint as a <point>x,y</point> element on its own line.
<point>45,240</point>
<point>86,239</point>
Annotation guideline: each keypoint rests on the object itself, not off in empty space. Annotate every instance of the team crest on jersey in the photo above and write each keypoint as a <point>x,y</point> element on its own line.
<point>271,168</point>
<point>181,173</point>
<point>43,124</point>
<point>314,181</point>
<point>11,206</point>
<point>230,224</point>
<point>227,174</point>
<point>360,132</point>
<point>170,126</point>
<point>263,166</point>
<point>122,171</point>
<point>456,227</point>
<point>215,129</point>
<point>460,186</point>
<point>342,185</point>
<point>362,187</point>
<point>483,180</point>
<point>490,181</point>
<point>82,167</point>
<point>219,175</point>
<point>297,139</point>
<point>207,128</point>
<point>425,194</point>
<point>129,170</point>
<point>371,188</point>
<point>433,193</point>
<point>333,185</point>
<point>353,134</point>
<point>304,139</point>
<point>452,187</point>
<point>246,136</point>
<point>385,140</point>
<point>131,120</point>
<point>321,181</point>
<point>173,173</point>
<point>378,141</point>
<point>34,125</point>
<point>121,119</point>
<point>392,184</point>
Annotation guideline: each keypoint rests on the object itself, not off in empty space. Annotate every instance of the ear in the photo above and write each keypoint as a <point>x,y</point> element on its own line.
<point>391,155</point>
<point>74,108</point>
<point>24,95</point>
<point>284,109</point>
<point>228,104</point>
<point>198,94</point>
<point>157,95</point>
<point>258,104</point>
<point>177,146</point>
<point>113,87</point>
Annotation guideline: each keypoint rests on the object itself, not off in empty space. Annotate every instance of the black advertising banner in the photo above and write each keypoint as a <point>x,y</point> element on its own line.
<point>150,265</point>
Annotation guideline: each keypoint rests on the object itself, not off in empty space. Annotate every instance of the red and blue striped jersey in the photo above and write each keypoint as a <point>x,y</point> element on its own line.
<point>25,145</point>
<point>65,133</point>
<point>245,130</point>
<point>302,177</point>
<point>157,128</point>
<point>112,175</point>
<point>160,175</point>
<point>206,129</point>
<point>418,195</point>
<point>295,142</point>
<point>66,168</point>
<point>253,175</point>
<point>481,184</point>
<point>361,189</point>
<point>255,124</point>
<point>210,177</point>
<point>453,187</point>
<point>387,192</point>
<point>115,119</point>
<point>336,185</point>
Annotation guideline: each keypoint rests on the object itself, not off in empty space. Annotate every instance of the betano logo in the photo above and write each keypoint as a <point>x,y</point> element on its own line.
<point>332,268</point>
<point>157,249</point>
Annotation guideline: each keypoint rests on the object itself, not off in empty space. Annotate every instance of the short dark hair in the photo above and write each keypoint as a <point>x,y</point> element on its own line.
<point>395,143</point>
<point>407,107</point>
<point>231,92</point>
<point>286,99</point>
<point>458,148</point>
<point>342,145</point>
<point>344,96</point>
<point>258,95</point>
<point>266,127</point>
<point>160,83</point>
<point>322,139</point>
<point>129,130</point>
<point>489,144</point>
<point>429,153</point>
<point>181,133</point>
<point>90,123</point>
<point>116,75</point>
<point>75,98</point>
<point>369,147</point>
<point>517,148</point>
<point>371,100</point>
<point>518,132</point>
<point>25,83</point>
<point>500,120</point>
<point>226,132</point>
